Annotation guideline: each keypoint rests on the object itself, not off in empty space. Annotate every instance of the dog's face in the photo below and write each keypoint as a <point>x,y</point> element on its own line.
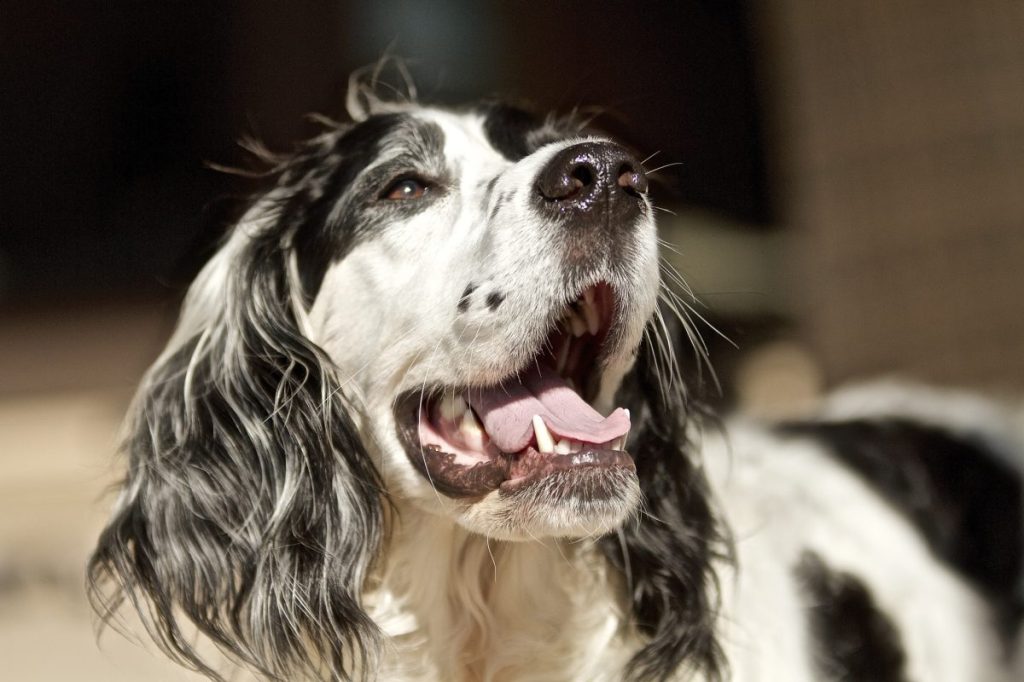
<point>491,291</point>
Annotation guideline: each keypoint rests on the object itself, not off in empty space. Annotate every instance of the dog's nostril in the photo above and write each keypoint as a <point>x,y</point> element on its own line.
<point>631,180</point>
<point>582,176</point>
<point>591,174</point>
<point>563,185</point>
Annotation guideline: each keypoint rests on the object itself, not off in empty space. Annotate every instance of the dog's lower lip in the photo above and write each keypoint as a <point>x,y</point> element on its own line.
<point>588,458</point>
<point>507,473</point>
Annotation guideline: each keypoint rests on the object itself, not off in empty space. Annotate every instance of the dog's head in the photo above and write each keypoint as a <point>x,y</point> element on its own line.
<point>436,307</point>
<point>482,284</point>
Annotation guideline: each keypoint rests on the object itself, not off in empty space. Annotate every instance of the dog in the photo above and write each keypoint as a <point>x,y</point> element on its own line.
<point>421,419</point>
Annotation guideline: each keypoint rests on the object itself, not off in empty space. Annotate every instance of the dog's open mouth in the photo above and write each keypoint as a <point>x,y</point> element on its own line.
<point>538,423</point>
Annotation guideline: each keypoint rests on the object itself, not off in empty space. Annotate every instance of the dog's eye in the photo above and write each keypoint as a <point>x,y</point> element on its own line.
<point>405,188</point>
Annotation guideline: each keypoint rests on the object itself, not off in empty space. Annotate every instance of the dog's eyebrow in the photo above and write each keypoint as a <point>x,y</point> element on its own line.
<point>420,143</point>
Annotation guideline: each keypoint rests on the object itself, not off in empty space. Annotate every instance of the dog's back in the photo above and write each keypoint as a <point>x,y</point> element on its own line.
<point>882,541</point>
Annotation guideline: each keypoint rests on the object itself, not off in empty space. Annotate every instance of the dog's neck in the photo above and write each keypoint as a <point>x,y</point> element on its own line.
<point>459,607</point>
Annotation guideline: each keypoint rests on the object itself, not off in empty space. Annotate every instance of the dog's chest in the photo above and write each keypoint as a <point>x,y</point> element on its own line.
<point>458,608</point>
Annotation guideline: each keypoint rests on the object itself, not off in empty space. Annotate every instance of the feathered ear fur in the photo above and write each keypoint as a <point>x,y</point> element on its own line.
<point>251,508</point>
<point>369,93</point>
<point>666,555</point>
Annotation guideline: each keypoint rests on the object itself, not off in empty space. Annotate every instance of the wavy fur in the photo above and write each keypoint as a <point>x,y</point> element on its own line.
<point>271,505</point>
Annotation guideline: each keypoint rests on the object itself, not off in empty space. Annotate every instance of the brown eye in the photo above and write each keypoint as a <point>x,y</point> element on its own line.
<point>406,188</point>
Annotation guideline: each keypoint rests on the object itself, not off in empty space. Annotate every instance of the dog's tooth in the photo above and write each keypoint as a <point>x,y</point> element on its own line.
<point>545,442</point>
<point>563,447</point>
<point>452,407</point>
<point>471,430</point>
<point>578,325</point>
<point>563,356</point>
<point>588,296</point>
<point>593,317</point>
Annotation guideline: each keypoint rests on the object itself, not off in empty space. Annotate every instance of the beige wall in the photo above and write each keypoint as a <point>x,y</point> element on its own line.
<point>900,130</point>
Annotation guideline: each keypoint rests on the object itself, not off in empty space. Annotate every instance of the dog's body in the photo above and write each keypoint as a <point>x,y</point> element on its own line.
<point>420,421</point>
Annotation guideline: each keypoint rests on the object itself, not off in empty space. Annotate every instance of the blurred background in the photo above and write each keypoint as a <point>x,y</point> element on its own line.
<point>846,183</point>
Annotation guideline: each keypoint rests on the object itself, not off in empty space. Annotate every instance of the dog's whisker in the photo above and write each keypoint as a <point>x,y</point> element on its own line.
<point>663,167</point>
<point>644,162</point>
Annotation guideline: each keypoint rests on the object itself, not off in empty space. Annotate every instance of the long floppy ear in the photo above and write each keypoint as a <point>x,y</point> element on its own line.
<point>251,508</point>
<point>666,555</point>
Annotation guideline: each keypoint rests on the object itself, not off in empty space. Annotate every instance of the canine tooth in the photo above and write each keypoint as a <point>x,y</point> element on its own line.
<point>452,407</point>
<point>545,443</point>
<point>471,430</point>
<point>593,317</point>
<point>588,296</point>
<point>563,447</point>
<point>578,326</point>
<point>563,356</point>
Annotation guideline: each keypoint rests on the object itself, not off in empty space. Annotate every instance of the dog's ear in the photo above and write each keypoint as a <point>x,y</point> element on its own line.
<point>251,508</point>
<point>666,555</point>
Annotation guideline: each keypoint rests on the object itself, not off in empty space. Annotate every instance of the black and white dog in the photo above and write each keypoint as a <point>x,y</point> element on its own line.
<point>420,421</point>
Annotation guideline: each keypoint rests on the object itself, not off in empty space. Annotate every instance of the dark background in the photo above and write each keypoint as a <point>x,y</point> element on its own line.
<point>111,110</point>
<point>845,176</point>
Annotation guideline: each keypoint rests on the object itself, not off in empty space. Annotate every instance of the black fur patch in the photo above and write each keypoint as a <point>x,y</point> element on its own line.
<point>314,181</point>
<point>853,641</point>
<point>965,501</point>
<point>467,293</point>
<point>495,299</point>
<point>516,132</point>
<point>317,179</point>
<point>666,555</point>
<point>508,130</point>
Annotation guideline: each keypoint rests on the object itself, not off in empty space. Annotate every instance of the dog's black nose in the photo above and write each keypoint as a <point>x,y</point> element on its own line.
<point>593,182</point>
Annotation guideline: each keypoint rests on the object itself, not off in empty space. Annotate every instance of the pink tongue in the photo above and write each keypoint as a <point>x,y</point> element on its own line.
<point>507,411</point>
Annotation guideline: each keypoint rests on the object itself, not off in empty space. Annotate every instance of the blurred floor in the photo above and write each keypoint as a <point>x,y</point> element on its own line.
<point>65,379</point>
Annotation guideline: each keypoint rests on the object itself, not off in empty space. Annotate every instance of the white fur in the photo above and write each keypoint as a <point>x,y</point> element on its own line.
<point>781,497</point>
<point>417,340</point>
<point>461,606</point>
<point>465,595</point>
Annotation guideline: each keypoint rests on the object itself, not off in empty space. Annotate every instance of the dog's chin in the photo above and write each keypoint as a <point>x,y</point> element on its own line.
<point>569,504</point>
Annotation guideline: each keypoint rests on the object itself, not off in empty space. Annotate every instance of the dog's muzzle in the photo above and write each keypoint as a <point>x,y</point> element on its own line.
<point>593,185</point>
